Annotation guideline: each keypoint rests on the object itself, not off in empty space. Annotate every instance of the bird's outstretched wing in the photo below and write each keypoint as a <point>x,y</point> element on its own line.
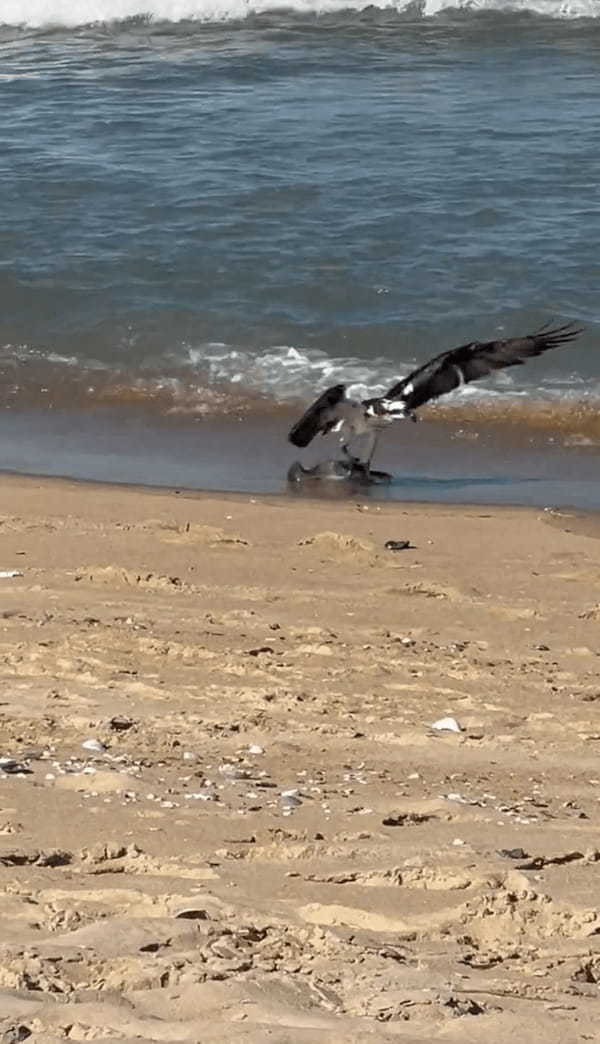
<point>320,417</point>
<point>473,361</point>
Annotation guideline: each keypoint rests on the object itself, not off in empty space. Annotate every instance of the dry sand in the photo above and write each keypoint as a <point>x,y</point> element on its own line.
<point>226,650</point>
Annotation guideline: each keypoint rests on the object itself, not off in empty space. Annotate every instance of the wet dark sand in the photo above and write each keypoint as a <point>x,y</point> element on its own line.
<point>432,461</point>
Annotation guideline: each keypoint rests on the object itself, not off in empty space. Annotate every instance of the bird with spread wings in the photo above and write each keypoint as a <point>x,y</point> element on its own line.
<point>333,411</point>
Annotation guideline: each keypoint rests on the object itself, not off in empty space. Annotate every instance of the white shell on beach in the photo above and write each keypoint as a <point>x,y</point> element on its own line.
<point>255,749</point>
<point>447,725</point>
<point>462,800</point>
<point>233,772</point>
<point>9,574</point>
<point>289,799</point>
<point>205,794</point>
<point>94,745</point>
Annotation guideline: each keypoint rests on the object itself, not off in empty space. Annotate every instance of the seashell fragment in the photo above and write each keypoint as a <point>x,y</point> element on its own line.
<point>447,725</point>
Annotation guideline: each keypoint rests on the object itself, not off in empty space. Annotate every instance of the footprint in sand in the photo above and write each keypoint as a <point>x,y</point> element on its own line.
<point>194,533</point>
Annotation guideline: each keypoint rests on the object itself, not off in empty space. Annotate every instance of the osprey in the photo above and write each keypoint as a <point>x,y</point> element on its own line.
<point>333,411</point>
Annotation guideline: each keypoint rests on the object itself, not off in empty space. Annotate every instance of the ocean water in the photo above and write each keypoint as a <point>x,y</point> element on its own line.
<point>214,209</point>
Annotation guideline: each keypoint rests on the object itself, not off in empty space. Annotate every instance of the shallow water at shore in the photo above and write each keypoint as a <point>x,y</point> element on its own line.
<point>429,462</point>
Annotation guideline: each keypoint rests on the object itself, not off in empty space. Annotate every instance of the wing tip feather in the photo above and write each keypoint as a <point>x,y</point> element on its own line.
<point>553,336</point>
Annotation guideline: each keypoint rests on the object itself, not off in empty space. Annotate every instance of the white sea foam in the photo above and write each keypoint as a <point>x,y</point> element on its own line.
<point>71,13</point>
<point>221,378</point>
<point>286,373</point>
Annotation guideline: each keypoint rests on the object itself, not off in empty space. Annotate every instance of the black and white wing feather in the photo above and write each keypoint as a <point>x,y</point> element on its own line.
<point>472,361</point>
<point>439,376</point>
<point>321,417</point>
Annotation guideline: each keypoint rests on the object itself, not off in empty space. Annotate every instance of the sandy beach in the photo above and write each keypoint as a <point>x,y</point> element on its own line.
<point>224,812</point>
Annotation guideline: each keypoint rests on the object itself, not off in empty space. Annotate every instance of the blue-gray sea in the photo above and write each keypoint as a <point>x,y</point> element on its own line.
<point>211,210</point>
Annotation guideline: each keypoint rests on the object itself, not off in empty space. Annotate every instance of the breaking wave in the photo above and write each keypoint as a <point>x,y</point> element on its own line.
<point>72,13</point>
<point>219,381</point>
